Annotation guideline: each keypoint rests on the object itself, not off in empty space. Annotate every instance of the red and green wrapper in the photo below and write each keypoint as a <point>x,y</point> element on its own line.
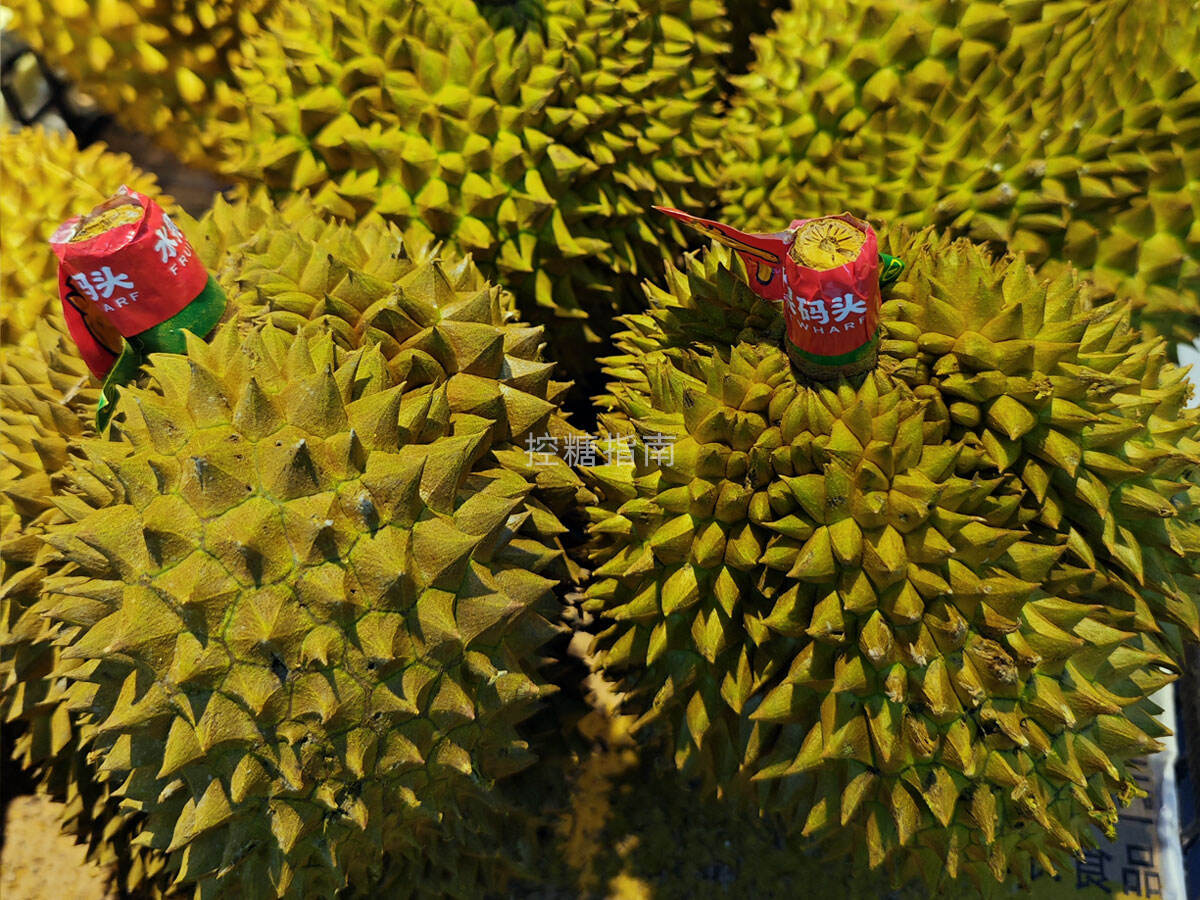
<point>130,285</point>
<point>826,273</point>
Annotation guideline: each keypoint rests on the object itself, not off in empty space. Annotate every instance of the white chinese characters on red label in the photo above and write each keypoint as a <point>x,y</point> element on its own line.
<point>172,248</point>
<point>830,316</point>
<point>847,305</point>
<point>100,286</point>
<point>166,245</point>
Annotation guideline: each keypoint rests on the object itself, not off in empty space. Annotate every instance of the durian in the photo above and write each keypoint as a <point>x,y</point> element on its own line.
<point>303,617</point>
<point>537,149</point>
<point>921,612</point>
<point>157,64</point>
<point>1062,130</point>
<point>438,323</point>
<point>47,178</point>
<point>47,402</point>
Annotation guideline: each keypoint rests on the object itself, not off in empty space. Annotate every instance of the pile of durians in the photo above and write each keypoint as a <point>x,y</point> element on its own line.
<point>389,586</point>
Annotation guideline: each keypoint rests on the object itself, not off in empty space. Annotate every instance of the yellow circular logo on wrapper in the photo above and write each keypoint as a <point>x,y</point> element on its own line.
<point>826,243</point>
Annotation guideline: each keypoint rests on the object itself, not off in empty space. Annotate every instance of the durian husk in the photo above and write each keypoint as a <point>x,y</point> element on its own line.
<point>442,328</point>
<point>314,675</point>
<point>157,64</point>
<point>922,612</point>
<point>1027,127</point>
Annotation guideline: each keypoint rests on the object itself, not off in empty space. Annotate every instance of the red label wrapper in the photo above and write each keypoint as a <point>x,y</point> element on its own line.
<point>831,305</point>
<point>833,311</point>
<point>123,268</point>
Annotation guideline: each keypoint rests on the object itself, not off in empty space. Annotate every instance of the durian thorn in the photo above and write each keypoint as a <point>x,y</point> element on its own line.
<point>73,391</point>
<point>302,459</point>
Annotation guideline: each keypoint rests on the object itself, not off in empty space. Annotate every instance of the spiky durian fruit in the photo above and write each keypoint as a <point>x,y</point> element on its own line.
<point>433,315</point>
<point>303,620</point>
<point>922,612</point>
<point>538,149</point>
<point>429,310</point>
<point>1066,133</point>
<point>155,63</point>
<point>47,180</point>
